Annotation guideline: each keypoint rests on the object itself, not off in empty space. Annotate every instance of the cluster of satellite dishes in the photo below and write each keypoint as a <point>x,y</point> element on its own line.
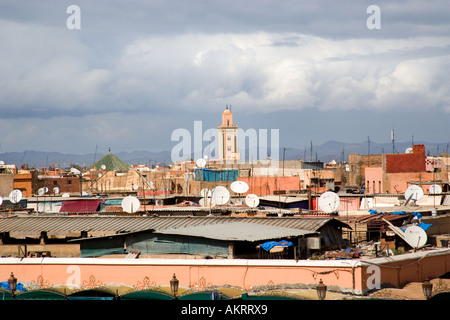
<point>220,195</point>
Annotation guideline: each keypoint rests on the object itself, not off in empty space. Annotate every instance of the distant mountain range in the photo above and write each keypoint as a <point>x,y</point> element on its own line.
<point>326,152</point>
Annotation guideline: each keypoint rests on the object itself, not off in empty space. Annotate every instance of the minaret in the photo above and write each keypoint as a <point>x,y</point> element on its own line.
<point>228,146</point>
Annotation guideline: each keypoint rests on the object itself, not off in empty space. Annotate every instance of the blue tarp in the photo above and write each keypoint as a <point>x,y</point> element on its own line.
<point>5,285</point>
<point>422,225</point>
<point>270,244</point>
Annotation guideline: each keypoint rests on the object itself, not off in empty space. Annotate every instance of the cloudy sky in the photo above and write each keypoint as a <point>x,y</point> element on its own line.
<point>136,71</point>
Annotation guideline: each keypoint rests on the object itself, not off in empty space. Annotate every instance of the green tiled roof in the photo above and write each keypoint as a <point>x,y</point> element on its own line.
<point>112,163</point>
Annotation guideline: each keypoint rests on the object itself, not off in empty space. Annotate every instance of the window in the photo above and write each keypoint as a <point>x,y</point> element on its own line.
<point>228,148</point>
<point>229,138</point>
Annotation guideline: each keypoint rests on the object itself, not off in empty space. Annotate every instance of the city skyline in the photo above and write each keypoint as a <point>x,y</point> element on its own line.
<point>134,72</point>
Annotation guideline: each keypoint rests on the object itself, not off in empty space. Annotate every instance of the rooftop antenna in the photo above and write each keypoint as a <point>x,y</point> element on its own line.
<point>393,139</point>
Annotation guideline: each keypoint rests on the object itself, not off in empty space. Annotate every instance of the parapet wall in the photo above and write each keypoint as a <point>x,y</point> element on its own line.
<point>350,276</point>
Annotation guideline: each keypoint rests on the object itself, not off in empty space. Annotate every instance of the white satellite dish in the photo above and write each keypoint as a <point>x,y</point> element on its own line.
<point>414,193</point>
<point>329,202</point>
<point>409,150</point>
<point>239,187</point>
<point>103,167</point>
<point>201,163</point>
<point>65,195</point>
<point>41,191</point>
<point>56,190</point>
<point>220,195</point>
<point>252,200</point>
<point>1,201</point>
<point>135,187</point>
<point>130,204</point>
<point>15,196</point>
<point>205,157</point>
<point>416,237</point>
<point>75,171</point>
<point>435,188</point>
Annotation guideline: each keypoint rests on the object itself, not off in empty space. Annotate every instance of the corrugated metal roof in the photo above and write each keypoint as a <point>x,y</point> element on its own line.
<point>237,231</point>
<point>139,223</point>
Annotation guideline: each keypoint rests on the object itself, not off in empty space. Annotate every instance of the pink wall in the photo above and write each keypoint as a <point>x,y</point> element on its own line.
<point>343,275</point>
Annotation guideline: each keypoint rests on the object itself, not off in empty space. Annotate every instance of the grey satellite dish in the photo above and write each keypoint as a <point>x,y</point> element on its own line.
<point>252,200</point>
<point>239,187</point>
<point>220,195</point>
<point>131,204</point>
<point>103,167</point>
<point>413,193</point>
<point>201,163</point>
<point>56,190</point>
<point>15,196</point>
<point>435,188</point>
<point>416,237</point>
<point>329,202</point>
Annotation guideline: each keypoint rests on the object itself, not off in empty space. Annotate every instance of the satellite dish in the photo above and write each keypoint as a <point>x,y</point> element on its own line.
<point>205,157</point>
<point>15,196</point>
<point>252,200</point>
<point>65,195</point>
<point>239,187</point>
<point>103,167</point>
<point>201,163</point>
<point>56,190</point>
<point>135,187</point>
<point>329,202</point>
<point>416,237</point>
<point>220,195</point>
<point>1,201</point>
<point>414,193</point>
<point>130,204</point>
<point>75,171</point>
<point>41,191</point>
<point>409,150</point>
<point>435,188</point>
